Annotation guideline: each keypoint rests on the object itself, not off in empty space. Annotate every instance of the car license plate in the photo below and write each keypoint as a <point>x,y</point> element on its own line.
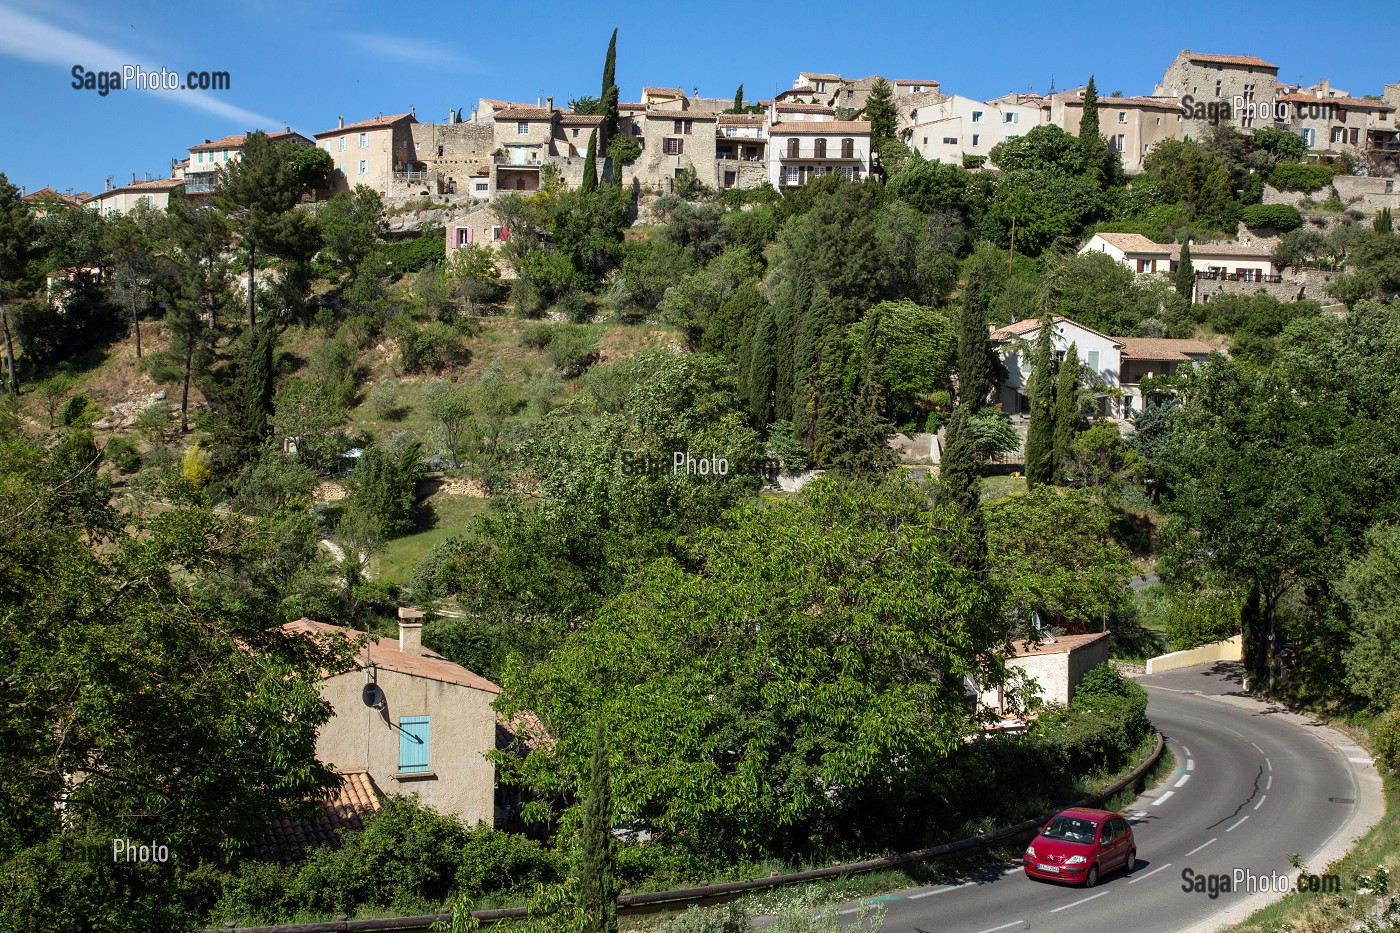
<point>1043,867</point>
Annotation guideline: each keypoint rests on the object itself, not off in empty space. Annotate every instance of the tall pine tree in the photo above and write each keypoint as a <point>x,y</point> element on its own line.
<point>1066,409</point>
<point>16,244</point>
<point>960,486</point>
<point>590,164</point>
<point>880,111</point>
<point>975,353</point>
<point>597,891</point>
<point>1040,436</point>
<point>243,418</point>
<point>1091,141</point>
<point>738,101</point>
<point>1184,278</point>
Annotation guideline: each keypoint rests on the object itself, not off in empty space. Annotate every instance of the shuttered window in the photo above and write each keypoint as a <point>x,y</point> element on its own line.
<point>413,744</point>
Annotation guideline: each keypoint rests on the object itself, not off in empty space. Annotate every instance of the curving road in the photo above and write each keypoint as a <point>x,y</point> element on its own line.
<point>1252,786</point>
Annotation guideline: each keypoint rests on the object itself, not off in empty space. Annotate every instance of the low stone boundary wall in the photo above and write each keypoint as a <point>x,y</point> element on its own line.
<point>1231,649</point>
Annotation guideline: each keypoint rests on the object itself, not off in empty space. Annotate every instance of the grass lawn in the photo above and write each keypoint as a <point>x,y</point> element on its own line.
<point>1000,487</point>
<point>447,515</point>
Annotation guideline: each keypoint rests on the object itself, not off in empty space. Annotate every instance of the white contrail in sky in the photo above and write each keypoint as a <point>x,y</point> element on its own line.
<point>410,51</point>
<point>33,40</point>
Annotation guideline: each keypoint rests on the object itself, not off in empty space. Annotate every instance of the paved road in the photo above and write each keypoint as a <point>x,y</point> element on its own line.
<point>1249,790</point>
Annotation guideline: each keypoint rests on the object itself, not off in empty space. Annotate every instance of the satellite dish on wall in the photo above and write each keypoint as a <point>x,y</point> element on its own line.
<point>372,696</point>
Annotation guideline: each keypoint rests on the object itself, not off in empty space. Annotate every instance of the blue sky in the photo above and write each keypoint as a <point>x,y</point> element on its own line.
<point>307,64</point>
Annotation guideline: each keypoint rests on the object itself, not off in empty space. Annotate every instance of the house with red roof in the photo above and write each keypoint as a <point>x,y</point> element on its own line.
<point>206,158</point>
<point>410,720</point>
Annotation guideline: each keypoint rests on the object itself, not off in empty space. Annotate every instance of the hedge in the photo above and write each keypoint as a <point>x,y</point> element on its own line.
<point>1282,217</point>
<point>1296,176</point>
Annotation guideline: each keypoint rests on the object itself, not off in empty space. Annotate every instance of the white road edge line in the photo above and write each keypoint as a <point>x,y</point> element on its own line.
<point>1162,799</point>
<point>1007,926</point>
<point>1269,783</point>
<point>915,897</point>
<point>1261,801</point>
<point>1237,824</point>
<point>1085,900</point>
<point>1150,874</point>
<point>1186,751</point>
<point>1200,847</point>
<point>1269,763</point>
<point>1190,764</point>
<point>1256,745</point>
<point>1184,779</point>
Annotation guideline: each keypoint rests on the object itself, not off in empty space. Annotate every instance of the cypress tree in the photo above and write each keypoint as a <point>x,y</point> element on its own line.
<point>1185,275</point>
<point>1066,409</point>
<point>960,486</point>
<point>590,164</point>
<point>1089,121</point>
<point>597,892</point>
<point>974,343</point>
<point>1383,222</point>
<point>738,101</point>
<point>244,418</point>
<point>1040,436</point>
<point>608,97</point>
<point>763,369</point>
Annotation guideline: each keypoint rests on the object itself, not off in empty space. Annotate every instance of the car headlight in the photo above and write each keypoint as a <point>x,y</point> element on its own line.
<point>1075,860</point>
<point>1030,851</point>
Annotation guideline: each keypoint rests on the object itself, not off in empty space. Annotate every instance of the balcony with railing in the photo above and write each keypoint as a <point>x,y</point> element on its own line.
<point>411,178</point>
<point>510,160</point>
<point>1215,275</point>
<point>201,183</point>
<point>831,155</point>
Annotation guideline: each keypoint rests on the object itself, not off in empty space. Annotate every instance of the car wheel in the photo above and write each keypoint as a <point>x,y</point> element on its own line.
<point>1131,863</point>
<point>1092,878</point>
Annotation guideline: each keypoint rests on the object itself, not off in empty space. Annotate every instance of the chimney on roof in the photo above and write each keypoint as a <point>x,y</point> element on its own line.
<point>410,630</point>
<point>412,109</point>
<point>539,101</point>
<point>549,103</point>
<point>133,178</point>
<point>342,122</point>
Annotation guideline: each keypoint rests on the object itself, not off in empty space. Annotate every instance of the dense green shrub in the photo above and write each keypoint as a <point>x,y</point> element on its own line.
<point>121,452</point>
<point>1191,619</point>
<point>423,348</point>
<point>80,411</point>
<point>1297,176</point>
<point>408,256</point>
<point>1282,217</point>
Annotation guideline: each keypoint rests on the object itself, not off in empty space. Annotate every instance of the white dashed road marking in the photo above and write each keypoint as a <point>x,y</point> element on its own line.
<point>1190,765</point>
<point>1162,799</point>
<point>1184,779</point>
<point>1150,874</point>
<point>1261,801</point>
<point>1201,846</point>
<point>1004,926</point>
<point>1237,823</point>
<point>1084,900</point>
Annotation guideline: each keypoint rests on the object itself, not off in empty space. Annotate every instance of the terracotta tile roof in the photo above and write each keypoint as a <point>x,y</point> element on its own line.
<point>1230,60</point>
<point>385,653</point>
<point>501,104</point>
<point>681,115</point>
<point>805,108</point>
<point>742,119</point>
<point>1161,348</point>
<point>236,141</point>
<point>523,731</point>
<point>636,106</point>
<point>342,810</point>
<point>1135,243</point>
<point>662,92</point>
<point>377,123</point>
<point>1158,103</point>
<point>800,127</point>
<point>580,119</point>
<point>907,81</point>
<point>1060,644</point>
<point>820,77</point>
<point>524,113</point>
<point>48,194</point>
<point>1026,325</point>
<point>158,184</point>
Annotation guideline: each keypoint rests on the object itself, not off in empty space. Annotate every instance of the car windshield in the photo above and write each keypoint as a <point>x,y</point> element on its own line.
<point>1071,829</point>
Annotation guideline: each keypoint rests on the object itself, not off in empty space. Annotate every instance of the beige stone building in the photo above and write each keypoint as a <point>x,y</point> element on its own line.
<point>201,169</point>
<point>1055,666</point>
<point>154,193</point>
<point>378,153</point>
<point>411,720</point>
<point>1225,89</point>
<point>672,141</point>
<point>1132,126</point>
<point>1363,127</point>
<point>741,148</point>
<point>800,150</point>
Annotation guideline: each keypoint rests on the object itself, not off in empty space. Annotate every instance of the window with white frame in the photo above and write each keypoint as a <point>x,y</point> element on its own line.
<point>848,171</point>
<point>976,116</point>
<point>364,167</point>
<point>343,142</point>
<point>498,233</point>
<point>976,139</point>
<point>464,236</point>
<point>673,146</point>
<point>483,186</point>
<point>1310,137</point>
<point>950,140</point>
<point>1122,116</point>
<point>1010,118</point>
<point>364,140</point>
<point>522,128</point>
<point>792,175</point>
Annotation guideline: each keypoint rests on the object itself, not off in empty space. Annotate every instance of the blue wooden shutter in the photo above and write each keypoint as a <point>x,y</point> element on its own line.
<point>413,744</point>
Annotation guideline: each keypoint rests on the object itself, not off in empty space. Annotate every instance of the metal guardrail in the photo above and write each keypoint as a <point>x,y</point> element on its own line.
<point>718,893</point>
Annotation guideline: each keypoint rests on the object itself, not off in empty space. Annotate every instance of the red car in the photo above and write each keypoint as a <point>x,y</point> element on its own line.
<point>1080,846</point>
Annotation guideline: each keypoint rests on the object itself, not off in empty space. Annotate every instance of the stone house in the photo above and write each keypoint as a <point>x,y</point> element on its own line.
<point>154,193</point>
<point>1362,127</point>
<point>959,126</point>
<point>1131,126</point>
<point>376,153</point>
<point>452,153</point>
<point>1117,365</point>
<point>1056,665</point>
<point>478,226</point>
<point>411,720</point>
<point>799,150</point>
<point>741,148</point>
<point>1250,264</point>
<point>1226,89</point>
<point>1133,250</point>
<point>673,140</point>
<point>201,169</point>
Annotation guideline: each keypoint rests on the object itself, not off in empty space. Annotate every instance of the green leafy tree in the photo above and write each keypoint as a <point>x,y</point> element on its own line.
<point>199,289</point>
<point>350,223</point>
<point>383,488</point>
<point>880,111</point>
<point>129,241</point>
<point>1371,589</point>
<point>738,102</point>
<point>1040,434</point>
<point>1100,459</point>
<point>243,411</point>
<point>310,413</point>
<point>609,93</point>
<point>1066,409</point>
<point>597,889</point>
<point>1383,224</point>
<point>16,247</point>
<point>976,357</point>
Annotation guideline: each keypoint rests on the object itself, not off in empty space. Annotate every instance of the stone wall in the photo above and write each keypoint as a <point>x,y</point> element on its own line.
<point>453,150</point>
<point>1287,290</point>
<point>1214,85</point>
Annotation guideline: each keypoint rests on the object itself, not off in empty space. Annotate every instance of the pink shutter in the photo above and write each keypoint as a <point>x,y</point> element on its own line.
<point>451,238</point>
<point>505,234</point>
<point>471,234</point>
